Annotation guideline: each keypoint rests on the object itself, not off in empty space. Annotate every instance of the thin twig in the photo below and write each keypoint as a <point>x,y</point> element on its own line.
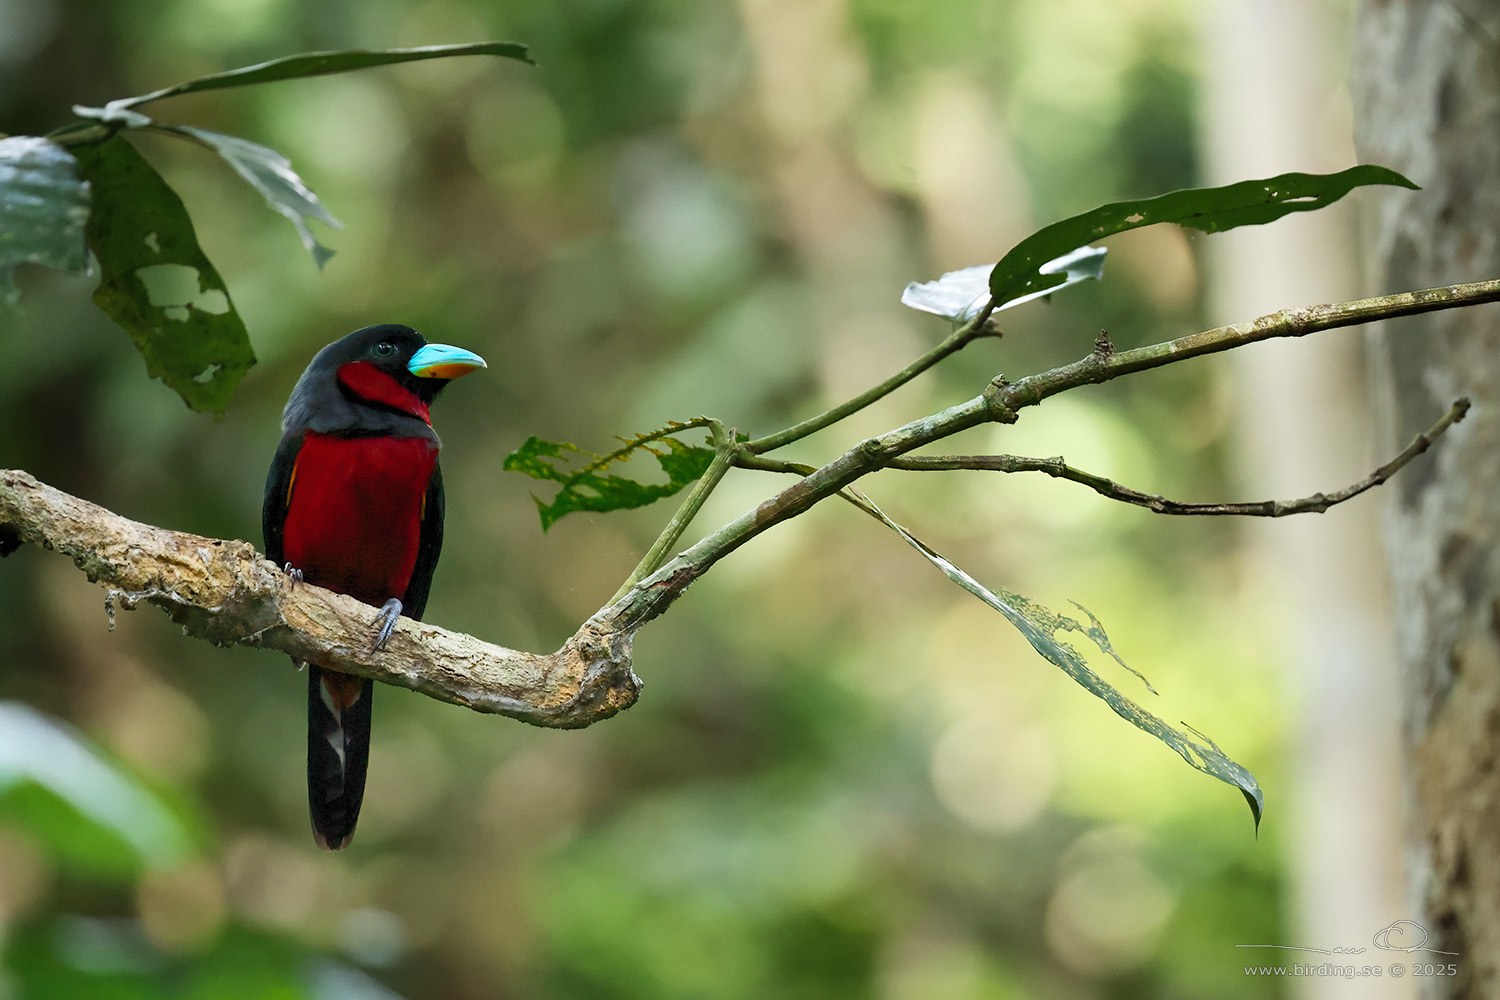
<point>1009,397</point>
<point>1315,504</point>
<point>634,444</point>
<point>984,316</point>
<point>954,343</point>
<point>724,450</point>
<point>760,463</point>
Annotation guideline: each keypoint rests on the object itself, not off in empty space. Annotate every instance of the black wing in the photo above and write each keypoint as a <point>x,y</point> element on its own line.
<point>278,497</point>
<point>429,545</point>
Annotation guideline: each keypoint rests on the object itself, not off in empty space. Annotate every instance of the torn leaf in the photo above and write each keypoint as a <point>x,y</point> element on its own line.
<point>155,281</point>
<point>586,485</point>
<point>1040,626</point>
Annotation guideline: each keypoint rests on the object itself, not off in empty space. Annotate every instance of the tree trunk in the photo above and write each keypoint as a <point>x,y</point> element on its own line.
<point>1427,102</point>
<point>1273,103</point>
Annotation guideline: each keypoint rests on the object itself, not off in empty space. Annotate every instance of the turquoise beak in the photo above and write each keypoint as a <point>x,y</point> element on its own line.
<point>442,361</point>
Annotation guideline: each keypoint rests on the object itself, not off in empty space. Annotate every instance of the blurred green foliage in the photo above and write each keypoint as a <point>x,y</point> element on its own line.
<point>841,780</point>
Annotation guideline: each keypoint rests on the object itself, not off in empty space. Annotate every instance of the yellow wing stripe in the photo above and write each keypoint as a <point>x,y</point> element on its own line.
<point>292,480</point>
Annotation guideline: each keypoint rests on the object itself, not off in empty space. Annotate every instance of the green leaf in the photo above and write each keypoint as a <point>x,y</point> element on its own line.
<point>272,175</point>
<point>87,812</point>
<point>1212,210</point>
<point>1040,626</point>
<point>156,282</point>
<point>590,488</point>
<point>321,64</point>
<point>263,168</point>
<point>78,957</point>
<point>82,958</point>
<point>44,206</point>
<point>266,170</point>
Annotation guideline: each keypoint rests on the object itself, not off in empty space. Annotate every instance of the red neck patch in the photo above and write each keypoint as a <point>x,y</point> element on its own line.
<point>374,386</point>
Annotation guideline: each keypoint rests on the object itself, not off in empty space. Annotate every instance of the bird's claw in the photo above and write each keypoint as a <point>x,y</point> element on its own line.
<point>389,612</point>
<point>294,574</point>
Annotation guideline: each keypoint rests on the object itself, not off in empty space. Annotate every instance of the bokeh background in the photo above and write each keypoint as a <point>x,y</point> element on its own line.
<point>845,778</point>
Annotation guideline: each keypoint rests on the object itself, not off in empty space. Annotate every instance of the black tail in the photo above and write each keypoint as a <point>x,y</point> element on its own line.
<point>338,752</point>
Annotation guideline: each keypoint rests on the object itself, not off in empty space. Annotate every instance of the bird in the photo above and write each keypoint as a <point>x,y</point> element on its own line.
<point>354,504</point>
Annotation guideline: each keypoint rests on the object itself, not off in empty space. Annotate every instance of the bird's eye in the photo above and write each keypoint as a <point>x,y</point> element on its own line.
<point>385,348</point>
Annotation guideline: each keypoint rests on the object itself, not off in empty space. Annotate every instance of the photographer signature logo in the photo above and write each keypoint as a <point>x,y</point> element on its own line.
<point>1403,935</point>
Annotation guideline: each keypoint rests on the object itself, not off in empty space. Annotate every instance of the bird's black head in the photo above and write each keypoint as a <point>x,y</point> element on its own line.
<point>388,349</point>
<point>359,383</point>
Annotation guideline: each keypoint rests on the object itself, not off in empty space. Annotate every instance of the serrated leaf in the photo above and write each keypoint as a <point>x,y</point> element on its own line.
<point>272,175</point>
<point>589,487</point>
<point>155,281</point>
<point>1210,210</point>
<point>961,295</point>
<point>322,64</point>
<point>44,206</point>
<point>1040,626</point>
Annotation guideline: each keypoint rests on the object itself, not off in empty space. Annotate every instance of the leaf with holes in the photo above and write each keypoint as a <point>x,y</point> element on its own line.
<point>155,281</point>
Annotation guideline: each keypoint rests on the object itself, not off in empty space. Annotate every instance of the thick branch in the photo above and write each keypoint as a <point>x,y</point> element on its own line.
<point>227,593</point>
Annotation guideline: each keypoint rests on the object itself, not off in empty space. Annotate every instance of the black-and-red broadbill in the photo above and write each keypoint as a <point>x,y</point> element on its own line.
<point>354,503</point>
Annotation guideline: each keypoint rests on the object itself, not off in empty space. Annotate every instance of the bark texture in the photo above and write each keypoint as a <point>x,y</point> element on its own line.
<point>229,594</point>
<point>1427,100</point>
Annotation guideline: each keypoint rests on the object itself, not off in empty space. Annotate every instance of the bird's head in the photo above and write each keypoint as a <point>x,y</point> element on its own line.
<point>387,369</point>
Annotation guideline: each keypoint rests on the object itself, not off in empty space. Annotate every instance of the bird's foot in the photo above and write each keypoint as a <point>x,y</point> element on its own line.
<point>389,612</point>
<point>294,574</point>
